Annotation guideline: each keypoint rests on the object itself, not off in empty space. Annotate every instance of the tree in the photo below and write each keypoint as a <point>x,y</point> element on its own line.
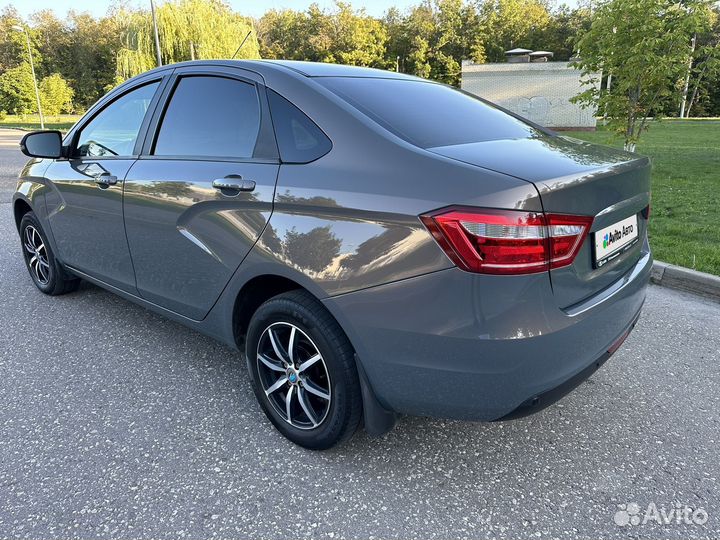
<point>357,39</point>
<point>644,44</point>
<point>17,90</point>
<point>13,46</point>
<point>281,34</point>
<point>206,28</point>
<point>705,70</point>
<point>55,95</point>
<point>340,35</point>
<point>435,37</point>
<point>565,28</point>
<point>506,24</point>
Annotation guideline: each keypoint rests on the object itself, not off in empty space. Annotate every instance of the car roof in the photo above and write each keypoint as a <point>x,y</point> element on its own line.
<point>307,69</point>
<point>324,69</point>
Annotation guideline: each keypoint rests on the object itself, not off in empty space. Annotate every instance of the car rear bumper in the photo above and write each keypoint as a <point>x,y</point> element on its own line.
<point>479,347</point>
<point>548,397</point>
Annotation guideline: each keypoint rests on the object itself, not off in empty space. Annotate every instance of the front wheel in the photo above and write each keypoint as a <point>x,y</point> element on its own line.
<point>46,272</point>
<point>303,371</point>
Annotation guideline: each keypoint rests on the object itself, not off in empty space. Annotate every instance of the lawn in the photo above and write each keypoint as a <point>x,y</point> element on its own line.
<point>62,122</point>
<point>685,220</point>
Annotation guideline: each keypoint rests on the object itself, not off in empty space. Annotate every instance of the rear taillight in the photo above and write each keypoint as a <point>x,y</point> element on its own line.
<point>493,241</point>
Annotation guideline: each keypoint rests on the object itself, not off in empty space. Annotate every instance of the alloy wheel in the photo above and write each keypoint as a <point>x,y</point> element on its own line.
<point>37,255</point>
<point>293,375</point>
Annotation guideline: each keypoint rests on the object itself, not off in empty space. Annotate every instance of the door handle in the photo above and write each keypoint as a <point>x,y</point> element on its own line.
<point>105,180</point>
<point>232,185</point>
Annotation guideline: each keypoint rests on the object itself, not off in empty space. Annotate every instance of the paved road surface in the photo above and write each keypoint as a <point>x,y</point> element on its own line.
<point>115,422</point>
<point>11,161</point>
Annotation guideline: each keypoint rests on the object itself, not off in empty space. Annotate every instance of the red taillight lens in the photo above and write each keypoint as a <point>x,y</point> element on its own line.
<point>507,241</point>
<point>566,234</point>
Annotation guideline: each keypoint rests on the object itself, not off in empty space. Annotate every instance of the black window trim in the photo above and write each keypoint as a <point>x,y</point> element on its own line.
<point>73,136</point>
<point>264,137</point>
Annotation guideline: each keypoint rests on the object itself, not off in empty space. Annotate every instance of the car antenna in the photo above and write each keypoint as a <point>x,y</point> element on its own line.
<point>241,44</point>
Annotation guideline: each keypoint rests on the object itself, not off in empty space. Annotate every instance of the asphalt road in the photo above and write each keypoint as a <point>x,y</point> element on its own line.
<point>11,161</point>
<point>115,422</point>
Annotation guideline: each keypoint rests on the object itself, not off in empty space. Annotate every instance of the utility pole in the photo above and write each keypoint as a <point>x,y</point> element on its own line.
<point>19,28</point>
<point>687,78</point>
<point>157,36</point>
<point>192,50</point>
<point>397,64</point>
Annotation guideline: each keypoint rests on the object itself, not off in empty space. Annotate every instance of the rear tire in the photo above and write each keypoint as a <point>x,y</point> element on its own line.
<point>307,382</point>
<point>46,272</point>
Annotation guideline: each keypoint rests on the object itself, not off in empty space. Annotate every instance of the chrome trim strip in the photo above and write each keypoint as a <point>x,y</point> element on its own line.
<point>611,290</point>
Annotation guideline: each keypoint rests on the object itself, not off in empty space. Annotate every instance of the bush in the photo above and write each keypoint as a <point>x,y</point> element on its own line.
<point>55,95</point>
<point>17,91</point>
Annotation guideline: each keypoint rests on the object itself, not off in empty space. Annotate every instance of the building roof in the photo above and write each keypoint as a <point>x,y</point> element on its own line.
<point>518,51</point>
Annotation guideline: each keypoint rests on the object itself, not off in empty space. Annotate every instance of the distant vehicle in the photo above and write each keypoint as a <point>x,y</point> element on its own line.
<point>374,242</point>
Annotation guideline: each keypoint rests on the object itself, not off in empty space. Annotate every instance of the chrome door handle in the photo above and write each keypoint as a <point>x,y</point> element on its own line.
<point>233,183</point>
<point>105,180</point>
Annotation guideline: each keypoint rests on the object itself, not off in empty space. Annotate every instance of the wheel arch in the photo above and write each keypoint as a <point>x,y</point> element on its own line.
<point>255,291</point>
<point>20,207</point>
<point>252,295</point>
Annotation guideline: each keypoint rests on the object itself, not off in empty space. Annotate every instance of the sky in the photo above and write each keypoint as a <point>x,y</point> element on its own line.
<point>252,8</point>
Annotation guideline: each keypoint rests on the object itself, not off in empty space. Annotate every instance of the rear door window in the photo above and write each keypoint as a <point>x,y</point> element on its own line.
<point>210,116</point>
<point>427,114</point>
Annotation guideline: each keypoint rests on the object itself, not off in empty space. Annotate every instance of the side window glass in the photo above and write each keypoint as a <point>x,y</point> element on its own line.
<point>115,129</point>
<point>210,116</point>
<point>299,139</point>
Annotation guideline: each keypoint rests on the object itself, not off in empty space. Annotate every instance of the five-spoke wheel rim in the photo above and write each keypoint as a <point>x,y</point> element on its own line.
<point>37,256</point>
<point>293,375</point>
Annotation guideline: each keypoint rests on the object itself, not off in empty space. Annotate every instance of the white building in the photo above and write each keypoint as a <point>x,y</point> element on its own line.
<point>538,91</point>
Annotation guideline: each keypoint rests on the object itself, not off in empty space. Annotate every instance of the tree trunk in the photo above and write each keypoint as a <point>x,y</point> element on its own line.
<point>693,97</point>
<point>683,101</point>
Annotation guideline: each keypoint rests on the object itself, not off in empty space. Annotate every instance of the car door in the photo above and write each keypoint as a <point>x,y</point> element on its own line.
<point>85,208</point>
<point>202,191</point>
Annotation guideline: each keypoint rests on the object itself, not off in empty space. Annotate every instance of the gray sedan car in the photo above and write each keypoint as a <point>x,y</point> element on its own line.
<point>377,244</point>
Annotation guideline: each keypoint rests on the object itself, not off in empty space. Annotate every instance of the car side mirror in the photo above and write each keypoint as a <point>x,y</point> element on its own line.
<point>42,144</point>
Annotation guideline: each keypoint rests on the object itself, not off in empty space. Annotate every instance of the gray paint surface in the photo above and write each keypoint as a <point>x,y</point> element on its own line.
<point>144,429</point>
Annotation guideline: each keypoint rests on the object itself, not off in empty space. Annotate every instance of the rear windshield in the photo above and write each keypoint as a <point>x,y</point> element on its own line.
<point>427,114</point>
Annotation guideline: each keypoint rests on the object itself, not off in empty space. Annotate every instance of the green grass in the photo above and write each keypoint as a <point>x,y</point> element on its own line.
<point>685,216</point>
<point>31,122</point>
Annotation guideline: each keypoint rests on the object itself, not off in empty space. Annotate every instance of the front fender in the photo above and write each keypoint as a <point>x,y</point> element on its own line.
<point>31,189</point>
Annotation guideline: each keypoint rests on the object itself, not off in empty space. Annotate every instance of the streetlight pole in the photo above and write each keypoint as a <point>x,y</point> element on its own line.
<point>19,28</point>
<point>155,31</point>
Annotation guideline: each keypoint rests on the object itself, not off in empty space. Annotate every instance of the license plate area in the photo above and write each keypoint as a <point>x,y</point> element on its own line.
<point>614,240</point>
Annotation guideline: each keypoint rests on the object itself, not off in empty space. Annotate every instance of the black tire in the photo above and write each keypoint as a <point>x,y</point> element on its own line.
<point>317,328</point>
<point>46,272</point>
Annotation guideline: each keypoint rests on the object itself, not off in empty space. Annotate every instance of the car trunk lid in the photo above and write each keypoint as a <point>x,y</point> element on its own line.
<point>575,177</point>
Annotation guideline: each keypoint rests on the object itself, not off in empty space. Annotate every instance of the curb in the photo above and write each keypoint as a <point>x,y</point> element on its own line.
<point>684,279</point>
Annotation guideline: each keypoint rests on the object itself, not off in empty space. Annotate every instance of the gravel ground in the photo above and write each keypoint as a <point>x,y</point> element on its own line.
<point>118,423</point>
